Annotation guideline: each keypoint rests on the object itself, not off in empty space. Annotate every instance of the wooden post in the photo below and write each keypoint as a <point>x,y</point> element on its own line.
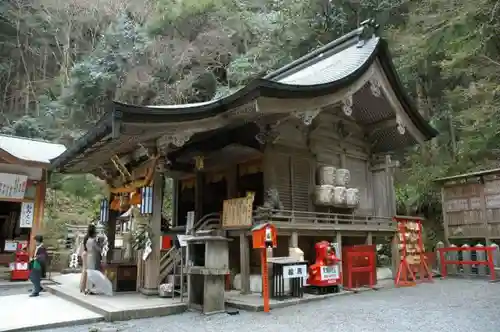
<point>41,188</point>
<point>244,263</point>
<point>152,264</point>
<point>111,234</point>
<point>395,255</point>
<point>198,195</point>
<point>484,212</point>
<point>369,238</point>
<point>175,202</point>
<point>294,240</point>
<point>338,240</point>
<point>445,219</point>
<point>232,181</point>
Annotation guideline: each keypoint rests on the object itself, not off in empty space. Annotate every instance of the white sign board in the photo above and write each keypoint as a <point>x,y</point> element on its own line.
<point>10,246</point>
<point>27,214</point>
<point>294,271</point>
<point>13,186</point>
<point>330,272</point>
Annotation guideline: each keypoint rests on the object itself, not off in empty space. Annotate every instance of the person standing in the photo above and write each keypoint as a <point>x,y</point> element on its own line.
<point>38,266</point>
<point>93,249</point>
<point>83,254</point>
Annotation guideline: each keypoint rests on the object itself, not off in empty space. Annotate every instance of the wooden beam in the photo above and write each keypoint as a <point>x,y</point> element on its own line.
<point>244,135</point>
<point>381,125</point>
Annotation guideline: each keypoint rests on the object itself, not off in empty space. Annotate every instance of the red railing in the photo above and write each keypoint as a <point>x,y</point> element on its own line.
<point>488,262</point>
<point>358,260</point>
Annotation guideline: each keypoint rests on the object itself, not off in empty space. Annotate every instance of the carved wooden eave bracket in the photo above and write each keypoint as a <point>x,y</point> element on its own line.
<point>177,139</point>
<point>375,86</point>
<point>135,185</point>
<point>307,117</point>
<point>347,104</point>
<point>268,132</point>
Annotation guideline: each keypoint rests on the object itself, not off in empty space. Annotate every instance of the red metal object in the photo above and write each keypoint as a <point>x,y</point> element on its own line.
<point>20,269</point>
<point>405,275</point>
<point>326,259</point>
<point>488,262</point>
<point>166,242</point>
<point>359,266</point>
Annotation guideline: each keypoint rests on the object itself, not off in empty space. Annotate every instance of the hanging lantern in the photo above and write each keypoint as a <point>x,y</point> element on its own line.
<point>104,211</point>
<point>147,200</point>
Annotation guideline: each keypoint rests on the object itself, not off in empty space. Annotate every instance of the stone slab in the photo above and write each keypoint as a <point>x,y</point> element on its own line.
<point>22,313</point>
<point>254,302</point>
<point>121,306</point>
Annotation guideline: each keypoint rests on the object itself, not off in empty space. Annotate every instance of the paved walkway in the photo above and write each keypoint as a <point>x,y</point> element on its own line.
<point>445,306</point>
<point>18,312</point>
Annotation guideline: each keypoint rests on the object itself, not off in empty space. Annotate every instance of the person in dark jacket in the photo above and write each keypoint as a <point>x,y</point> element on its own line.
<point>38,266</point>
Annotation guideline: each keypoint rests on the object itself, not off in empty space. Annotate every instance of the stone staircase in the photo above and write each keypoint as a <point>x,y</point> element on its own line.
<point>170,263</point>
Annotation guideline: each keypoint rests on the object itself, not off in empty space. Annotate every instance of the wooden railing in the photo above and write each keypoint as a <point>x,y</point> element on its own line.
<point>331,219</point>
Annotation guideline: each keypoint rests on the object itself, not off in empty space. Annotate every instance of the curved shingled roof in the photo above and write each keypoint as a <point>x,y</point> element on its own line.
<point>321,72</point>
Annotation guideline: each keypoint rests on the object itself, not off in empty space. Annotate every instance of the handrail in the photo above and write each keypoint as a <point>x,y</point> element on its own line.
<point>325,217</point>
<point>200,221</point>
<point>172,256</point>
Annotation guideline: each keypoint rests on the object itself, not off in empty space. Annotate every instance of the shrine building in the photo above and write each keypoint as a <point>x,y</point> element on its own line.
<point>23,175</point>
<point>341,106</point>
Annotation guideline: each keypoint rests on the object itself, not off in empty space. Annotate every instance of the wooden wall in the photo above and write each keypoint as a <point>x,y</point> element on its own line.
<point>290,164</point>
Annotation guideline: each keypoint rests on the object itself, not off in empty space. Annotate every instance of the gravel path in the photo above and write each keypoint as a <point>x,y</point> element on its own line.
<point>445,306</point>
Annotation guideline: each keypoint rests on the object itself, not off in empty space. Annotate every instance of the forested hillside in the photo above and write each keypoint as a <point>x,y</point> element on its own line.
<point>62,61</point>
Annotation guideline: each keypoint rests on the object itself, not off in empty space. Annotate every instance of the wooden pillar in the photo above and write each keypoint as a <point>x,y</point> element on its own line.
<point>111,234</point>
<point>343,159</point>
<point>294,240</point>
<point>41,188</point>
<point>232,181</point>
<point>395,255</point>
<point>175,202</point>
<point>445,219</point>
<point>338,240</point>
<point>484,212</point>
<point>198,195</point>
<point>152,264</point>
<point>369,238</point>
<point>244,263</point>
<point>391,194</point>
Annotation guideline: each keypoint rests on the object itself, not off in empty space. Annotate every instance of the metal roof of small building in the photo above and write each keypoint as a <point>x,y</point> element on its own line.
<point>30,150</point>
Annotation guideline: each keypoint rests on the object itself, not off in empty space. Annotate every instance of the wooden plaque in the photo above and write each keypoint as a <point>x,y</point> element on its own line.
<point>237,212</point>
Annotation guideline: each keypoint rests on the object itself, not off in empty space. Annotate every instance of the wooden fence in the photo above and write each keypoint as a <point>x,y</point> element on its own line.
<point>466,270</point>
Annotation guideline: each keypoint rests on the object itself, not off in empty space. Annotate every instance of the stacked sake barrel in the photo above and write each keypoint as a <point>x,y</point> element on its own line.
<point>332,188</point>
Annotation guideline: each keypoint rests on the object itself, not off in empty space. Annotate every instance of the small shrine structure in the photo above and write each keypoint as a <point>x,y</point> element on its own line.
<point>471,207</point>
<point>23,179</point>
<point>252,157</point>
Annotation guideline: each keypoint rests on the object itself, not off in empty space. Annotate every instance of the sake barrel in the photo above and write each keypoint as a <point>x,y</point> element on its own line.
<point>326,175</point>
<point>352,197</point>
<point>339,195</point>
<point>323,195</point>
<point>342,177</point>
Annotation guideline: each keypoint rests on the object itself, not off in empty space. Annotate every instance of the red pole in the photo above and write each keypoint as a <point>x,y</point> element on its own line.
<point>265,279</point>
<point>491,264</point>
<point>443,263</point>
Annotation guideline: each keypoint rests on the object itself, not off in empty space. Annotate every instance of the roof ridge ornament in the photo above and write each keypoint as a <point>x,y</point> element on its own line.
<point>369,29</point>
